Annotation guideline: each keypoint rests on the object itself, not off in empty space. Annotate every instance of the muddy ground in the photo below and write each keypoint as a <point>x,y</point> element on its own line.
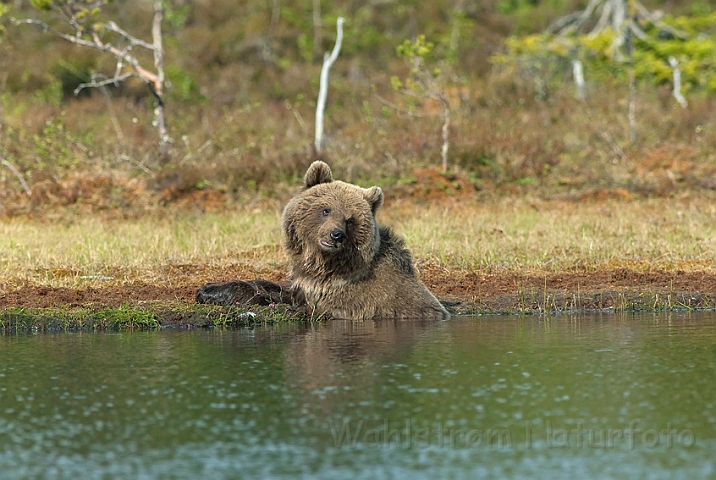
<point>463,292</point>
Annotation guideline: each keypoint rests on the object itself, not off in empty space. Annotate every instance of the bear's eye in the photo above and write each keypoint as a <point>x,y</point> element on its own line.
<point>326,212</point>
<point>350,222</point>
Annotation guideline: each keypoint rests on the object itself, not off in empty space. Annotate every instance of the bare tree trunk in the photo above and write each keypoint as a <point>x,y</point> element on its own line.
<point>622,16</point>
<point>676,74</point>
<point>632,105</point>
<point>445,131</point>
<point>446,139</point>
<point>158,91</point>
<point>629,47</point>
<point>578,73</point>
<point>619,14</point>
<point>328,61</point>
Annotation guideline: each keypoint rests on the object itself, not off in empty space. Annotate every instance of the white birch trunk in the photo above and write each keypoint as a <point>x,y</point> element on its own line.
<point>578,73</point>
<point>446,138</point>
<point>328,61</point>
<point>159,114</point>
<point>676,73</point>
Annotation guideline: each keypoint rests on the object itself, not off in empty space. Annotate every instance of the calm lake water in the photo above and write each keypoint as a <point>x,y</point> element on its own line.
<point>630,396</point>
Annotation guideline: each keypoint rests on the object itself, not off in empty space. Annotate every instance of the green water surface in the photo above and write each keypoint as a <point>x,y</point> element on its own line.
<point>630,396</point>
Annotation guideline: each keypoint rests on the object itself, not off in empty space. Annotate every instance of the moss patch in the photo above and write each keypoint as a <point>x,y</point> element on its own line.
<point>145,318</point>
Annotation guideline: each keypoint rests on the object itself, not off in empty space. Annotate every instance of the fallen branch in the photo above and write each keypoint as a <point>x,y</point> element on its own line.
<point>18,175</point>
<point>604,135</point>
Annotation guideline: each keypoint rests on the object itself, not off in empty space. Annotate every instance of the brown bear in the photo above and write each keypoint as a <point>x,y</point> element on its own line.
<point>341,261</point>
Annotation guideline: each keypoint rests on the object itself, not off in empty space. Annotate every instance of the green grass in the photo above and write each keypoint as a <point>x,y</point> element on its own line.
<point>144,318</point>
<point>76,319</point>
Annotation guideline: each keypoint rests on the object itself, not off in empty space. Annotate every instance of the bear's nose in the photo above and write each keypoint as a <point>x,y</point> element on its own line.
<point>338,235</point>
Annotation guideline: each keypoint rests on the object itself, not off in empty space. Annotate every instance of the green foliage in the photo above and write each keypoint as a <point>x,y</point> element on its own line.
<point>419,49</point>
<point>51,93</point>
<point>525,7</point>
<point>53,146</point>
<point>175,16</point>
<point>87,6</point>
<point>305,47</point>
<point>423,79</point>
<point>182,84</point>
<point>700,8</point>
<point>84,12</point>
<point>3,10</point>
<point>527,16</point>
<point>425,82</point>
<point>42,4</point>
<point>603,58</point>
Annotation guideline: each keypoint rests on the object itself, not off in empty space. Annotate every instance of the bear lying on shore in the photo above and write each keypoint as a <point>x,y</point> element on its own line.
<point>341,261</point>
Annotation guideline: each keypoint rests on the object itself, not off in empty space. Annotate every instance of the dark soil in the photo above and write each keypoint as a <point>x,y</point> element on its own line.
<point>463,292</point>
<point>618,289</point>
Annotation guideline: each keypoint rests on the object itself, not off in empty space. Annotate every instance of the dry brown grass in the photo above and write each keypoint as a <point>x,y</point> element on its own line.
<point>510,235</point>
<point>243,124</point>
<point>535,237</point>
<point>503,140</point>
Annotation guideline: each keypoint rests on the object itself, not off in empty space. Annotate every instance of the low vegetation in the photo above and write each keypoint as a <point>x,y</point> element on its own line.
<point>240,106</point>
<point>538,182</point>
<point>515,234</point>
<point>146,317</point>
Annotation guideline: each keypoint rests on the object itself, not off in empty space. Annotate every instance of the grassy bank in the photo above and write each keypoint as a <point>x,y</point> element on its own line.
<point>141,317</point>
<point>511,235</point>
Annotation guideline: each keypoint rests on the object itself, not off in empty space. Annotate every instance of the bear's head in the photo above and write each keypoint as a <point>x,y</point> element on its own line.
<point>331,224</point>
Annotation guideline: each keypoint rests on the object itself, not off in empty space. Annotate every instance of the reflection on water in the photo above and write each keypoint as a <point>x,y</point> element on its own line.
<point>492,397</point>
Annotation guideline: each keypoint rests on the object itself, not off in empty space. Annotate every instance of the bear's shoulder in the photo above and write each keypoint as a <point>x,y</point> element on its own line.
<point>392,248</point>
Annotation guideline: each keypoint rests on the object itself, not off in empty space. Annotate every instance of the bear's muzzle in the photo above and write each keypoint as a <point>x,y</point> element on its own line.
<point>337,236</point>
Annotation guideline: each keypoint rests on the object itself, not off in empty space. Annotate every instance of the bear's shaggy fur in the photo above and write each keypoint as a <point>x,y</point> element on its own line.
<point>341,261</point>
<point>253,292</point>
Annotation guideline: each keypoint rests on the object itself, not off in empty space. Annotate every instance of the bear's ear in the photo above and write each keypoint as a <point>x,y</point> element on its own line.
<point>319,172</point>
<point>288,223</point>
<point>374,197</point>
